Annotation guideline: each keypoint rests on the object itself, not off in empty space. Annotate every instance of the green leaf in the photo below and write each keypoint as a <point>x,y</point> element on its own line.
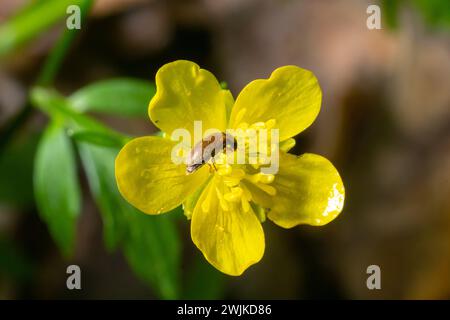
<point>150,243</point>
<point>81,126</point>
<point>153,250</point>
<point>56,186</point>
<point>123,97</point>
<point>99,166</point>
<point>55,105</point>
<point>99,138</point>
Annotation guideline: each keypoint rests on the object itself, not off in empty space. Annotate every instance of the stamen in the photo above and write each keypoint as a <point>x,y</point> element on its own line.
<point>245,204</point>
<point>267,189</point>
<point>232,177</point>
<point>261,181</point>
<point>270,124</point>
<point>231,193</point>
<point>222,202</point>
<point>258,125</point>
<point>266,178</point>
<point>235,195</point>
<point>247,194</point>
<point>231,182</point>
<point>243,125</point>
<point>254,178</point>
<point>225,170</point>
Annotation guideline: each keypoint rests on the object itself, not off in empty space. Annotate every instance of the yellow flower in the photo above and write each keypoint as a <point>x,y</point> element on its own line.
<point>227,204</point>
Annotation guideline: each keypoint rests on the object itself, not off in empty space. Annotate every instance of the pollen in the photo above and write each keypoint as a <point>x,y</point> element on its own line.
<point>230,192</point>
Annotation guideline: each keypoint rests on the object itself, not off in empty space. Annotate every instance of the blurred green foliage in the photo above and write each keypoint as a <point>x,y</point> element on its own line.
<point>151,244</point>
<point>436,13</point>
<point>16,163</point>
<point>97,138</point>
<point>29,23</point>
<point>123,97</point>
<point>13,262</point>
<point>56,185</point>
<point>203,281</point>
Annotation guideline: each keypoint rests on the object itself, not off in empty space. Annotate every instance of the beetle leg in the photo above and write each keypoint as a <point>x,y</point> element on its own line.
<point>212,165</point>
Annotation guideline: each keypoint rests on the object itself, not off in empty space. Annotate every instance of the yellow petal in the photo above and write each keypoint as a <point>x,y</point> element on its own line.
<point>230,240</point>
<point>149,180</point>
<point>184,94</point>
<point>229,102</point>
<point>291,96</point>
<point>309,191</point>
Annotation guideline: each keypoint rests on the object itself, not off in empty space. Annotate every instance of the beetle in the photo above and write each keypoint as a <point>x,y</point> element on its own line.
<point>206,149</point>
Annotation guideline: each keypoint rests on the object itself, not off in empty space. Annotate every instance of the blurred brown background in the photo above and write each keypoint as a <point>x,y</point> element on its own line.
<point>384,123</point>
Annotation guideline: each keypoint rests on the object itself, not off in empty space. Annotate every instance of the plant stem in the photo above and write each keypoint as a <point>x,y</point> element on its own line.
<point>56,57</point>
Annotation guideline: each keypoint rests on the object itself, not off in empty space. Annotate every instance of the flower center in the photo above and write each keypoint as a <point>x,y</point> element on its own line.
<point>230,186</point>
